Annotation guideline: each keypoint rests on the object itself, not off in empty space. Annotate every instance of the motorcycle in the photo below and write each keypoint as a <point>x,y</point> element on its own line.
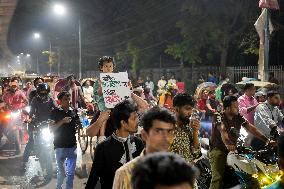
<point>42,153</point>
<point>245,168</point>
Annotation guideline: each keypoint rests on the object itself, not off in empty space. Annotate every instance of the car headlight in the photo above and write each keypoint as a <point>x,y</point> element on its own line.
<point>46,134</point>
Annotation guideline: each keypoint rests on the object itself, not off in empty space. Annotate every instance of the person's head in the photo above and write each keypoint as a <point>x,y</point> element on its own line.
<point>65,98</point>
<point>88,83</point>
<point>37,81</point>
<point>158,127</point>
<point>273,98</point>
<point>14,86</point>
<point>230,105</point>
<point>125,117</point>
<point>106,64</point>
<point>204,94</point>
<point>148,78</point>
<point>28,84</point>
<point>260,96</point>
<point>280,147</point>
<point>249,89</point>
<point>43,90</point>
<point>173,77</point>
<point>183,104</point>
<point>147,90</point>
<point>163,171</point>
<point>139,78</point>
<point>71,79</point>
<point>211,94</point>
<point>162,77</point>
<point>271,74</point>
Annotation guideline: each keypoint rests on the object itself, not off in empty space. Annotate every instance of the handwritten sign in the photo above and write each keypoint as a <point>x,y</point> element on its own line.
<point>115,88</point>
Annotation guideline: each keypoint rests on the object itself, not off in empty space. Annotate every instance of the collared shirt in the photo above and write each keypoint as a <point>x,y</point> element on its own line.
<point>182,144</point>
<point>246,102</point>
<point>122,178</point>
<point>15,100</point>
<point>266,116</point>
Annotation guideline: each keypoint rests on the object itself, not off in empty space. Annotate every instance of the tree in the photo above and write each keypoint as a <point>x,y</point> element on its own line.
<point>209,28</point>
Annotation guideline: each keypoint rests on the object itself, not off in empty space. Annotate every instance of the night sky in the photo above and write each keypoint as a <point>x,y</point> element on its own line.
<point>35,15</point>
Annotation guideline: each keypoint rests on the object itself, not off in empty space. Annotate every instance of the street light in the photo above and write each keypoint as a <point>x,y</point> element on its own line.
<point>60,9</point>
<point>28,55</point>
<point>36,35</point>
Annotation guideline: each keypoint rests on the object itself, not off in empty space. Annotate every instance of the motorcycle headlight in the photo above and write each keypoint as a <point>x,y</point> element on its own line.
<point>15,114</point>
<point>46,134</point>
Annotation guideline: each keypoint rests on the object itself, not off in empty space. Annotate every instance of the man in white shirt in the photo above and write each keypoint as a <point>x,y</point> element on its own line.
<point>150,85</point>
<point>88,91</point>
<point>268,116</point>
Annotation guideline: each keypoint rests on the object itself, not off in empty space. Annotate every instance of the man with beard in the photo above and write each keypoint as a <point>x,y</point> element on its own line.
<point>41,107</point>
<point>186,142</point>
<point>119,148</point>
<point>267,117</point>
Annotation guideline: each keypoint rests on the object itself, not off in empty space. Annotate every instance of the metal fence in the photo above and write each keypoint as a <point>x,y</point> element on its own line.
<point>192,74</point>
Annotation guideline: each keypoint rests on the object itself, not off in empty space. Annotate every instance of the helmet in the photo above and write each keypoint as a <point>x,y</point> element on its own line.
<point>43,87</point>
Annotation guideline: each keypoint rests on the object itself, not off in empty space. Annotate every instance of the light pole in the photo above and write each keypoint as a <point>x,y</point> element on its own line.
<point>37,36</point>
<point>60,10</point>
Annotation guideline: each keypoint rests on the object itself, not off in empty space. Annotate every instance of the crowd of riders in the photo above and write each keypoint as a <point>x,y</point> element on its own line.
<point>160,117</point>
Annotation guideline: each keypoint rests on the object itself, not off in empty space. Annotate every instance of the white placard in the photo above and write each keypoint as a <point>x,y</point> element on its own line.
<point>115,88</point>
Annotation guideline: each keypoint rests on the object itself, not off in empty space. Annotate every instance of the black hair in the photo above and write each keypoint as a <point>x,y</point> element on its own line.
<point>280,145</point>
<point>122,111</point>
<point>248,86</point>
<point>15,79</point>
<point>104,59</point>
<point>71,77</point>
<point>162,168</point>
<point>272,93</point>
<point>37,79</point>
<point>157,113</point>
<point>271,74</point>
<point>62,94</point>
<point>183,99</point>
<point>228,100</point>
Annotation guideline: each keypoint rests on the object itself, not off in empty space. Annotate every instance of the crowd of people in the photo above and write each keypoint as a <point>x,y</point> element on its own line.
<point>152,139</point>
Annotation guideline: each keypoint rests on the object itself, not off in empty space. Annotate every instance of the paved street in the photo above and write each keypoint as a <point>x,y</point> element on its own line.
<point>12,178</point>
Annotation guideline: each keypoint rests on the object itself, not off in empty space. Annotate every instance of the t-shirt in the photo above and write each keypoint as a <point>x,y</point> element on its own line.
<point>216,139</point>
<point>64,136</point>
<point>88,93</point>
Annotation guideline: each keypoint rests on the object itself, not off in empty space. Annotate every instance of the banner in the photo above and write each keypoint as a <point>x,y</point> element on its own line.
<point>115,88</point>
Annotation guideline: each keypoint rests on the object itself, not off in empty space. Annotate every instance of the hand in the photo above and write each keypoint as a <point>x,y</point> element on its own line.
<point>105,115</point>
<point>66,120</point>
<point>272,143</point>
<point>195,124</point>
<point>213,110</point>
<point>231,147</point>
